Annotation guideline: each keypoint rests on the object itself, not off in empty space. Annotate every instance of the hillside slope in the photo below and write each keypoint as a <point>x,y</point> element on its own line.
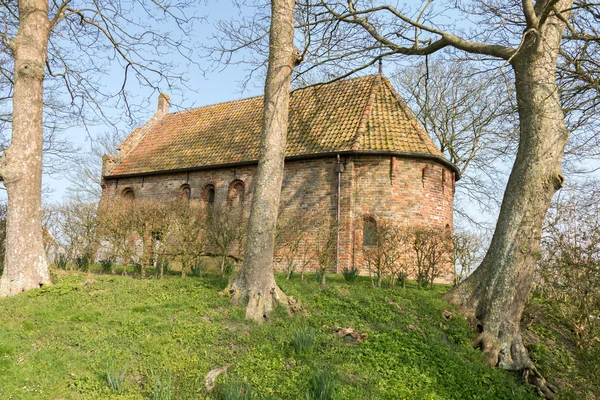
<point>63,342</point>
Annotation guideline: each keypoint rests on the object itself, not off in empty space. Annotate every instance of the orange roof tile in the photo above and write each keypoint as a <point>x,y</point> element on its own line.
<point>352,115</point>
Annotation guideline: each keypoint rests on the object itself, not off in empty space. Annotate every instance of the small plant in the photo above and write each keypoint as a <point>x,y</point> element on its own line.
<point>402,278</point>
<point>107,265</point>
<point>303,340</point>
<point>323,385</point>
<point>115,377</point>
<point>82,263</point>
<point>196,268</point>
<point>238,391</point>
<point>229,267</point>
<point>318,276</point>
<point>137,269</point>
<point>162,387</point>
<point>61,261</point>
<point>350,274</point>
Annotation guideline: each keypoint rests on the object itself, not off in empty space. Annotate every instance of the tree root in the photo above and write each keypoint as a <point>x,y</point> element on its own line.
<point>511,354</point>
<point>260,302</point>
<point>544,388</point>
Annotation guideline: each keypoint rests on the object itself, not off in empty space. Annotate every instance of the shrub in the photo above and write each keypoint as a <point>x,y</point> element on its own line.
<point>61,261</point>
<point>162,267</point>
<point>350,274</point>
<point>115,377</point>
<point>196,268</point>
<point>137,269</point>
<point>303,340</point>
<point>82,263</point>
<point>319,276</point>
<point>323,385</point>
<point>107,265</point>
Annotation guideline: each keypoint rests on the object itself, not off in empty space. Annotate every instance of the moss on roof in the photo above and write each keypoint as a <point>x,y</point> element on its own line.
<point>352,115</point>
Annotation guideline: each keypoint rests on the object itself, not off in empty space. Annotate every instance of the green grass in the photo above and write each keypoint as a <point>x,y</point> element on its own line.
<point>61,342</point>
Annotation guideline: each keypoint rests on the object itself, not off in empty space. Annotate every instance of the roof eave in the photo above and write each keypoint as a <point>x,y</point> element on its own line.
<point>418,156</point>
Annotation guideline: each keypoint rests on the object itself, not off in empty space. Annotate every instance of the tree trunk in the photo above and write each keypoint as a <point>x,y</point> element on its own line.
<point>26,263</point>
<point>256,279</point>
<point>496,293</point>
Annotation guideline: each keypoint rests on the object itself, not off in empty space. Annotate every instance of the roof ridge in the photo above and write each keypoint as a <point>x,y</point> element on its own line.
<point>360,130</point>
<point>423,135</point>
<point>292,91</point>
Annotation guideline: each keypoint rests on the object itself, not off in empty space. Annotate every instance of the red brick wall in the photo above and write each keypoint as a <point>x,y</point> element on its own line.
<point>407,191</point>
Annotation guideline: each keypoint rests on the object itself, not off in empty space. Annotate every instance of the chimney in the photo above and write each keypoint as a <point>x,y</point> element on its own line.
<point>163,104</point>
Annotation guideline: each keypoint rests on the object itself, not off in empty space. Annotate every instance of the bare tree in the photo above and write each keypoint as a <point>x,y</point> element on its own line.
<point>472,118</point>
<point>256,279</point>
<point>85,173</point>
<point>67,45</point>
<point>466,254</point>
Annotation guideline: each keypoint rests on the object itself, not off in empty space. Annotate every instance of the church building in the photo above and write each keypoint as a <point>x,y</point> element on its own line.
<point>355,155</point>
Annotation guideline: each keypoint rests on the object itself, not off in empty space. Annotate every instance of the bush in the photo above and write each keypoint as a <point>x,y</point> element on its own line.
<point>196,268</point>
<point>350,274</point>
<point>61,261</point>
<point>137,269</point>
<point>318,276</point>
<point>82,263</point>
<point>303,340</point>
<point>107,265</point>
<point>322,386</point>
<point>162,267</point>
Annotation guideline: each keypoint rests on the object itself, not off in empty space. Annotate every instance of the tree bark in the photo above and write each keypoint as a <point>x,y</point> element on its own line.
<point>26,266</point>
<point>256,280</point>
<point>496,293</point>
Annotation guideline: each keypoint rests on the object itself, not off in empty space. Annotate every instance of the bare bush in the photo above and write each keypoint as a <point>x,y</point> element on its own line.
<point>466,254</point>
<point>290,242</point>
<point>225,232</point>
<point>384,254</point>
<point>324,249</point>
<point>431,251</point>
<point>568,272</point>
<point>72,227</point>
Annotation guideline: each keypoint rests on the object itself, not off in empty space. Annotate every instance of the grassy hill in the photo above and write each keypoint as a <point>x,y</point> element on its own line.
<point>113,337</point>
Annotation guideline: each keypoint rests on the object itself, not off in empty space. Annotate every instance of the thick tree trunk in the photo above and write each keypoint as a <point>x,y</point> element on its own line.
<point>256,280</point>
<point>496,293</point>
<point>26,263</point>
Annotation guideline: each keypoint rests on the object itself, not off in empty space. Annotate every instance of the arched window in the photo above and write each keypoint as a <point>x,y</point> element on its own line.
<point>128,194</point>
<point>208,194</point>
<point>369,231</point>
<point>185,192</point>
<point>235,197</point>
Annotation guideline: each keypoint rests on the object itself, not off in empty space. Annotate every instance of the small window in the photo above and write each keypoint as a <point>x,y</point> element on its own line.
<point>185,192</point>
<point>128,194</point>
<point>369,232</point>
<point>208,194</point>
<point>235,197</point>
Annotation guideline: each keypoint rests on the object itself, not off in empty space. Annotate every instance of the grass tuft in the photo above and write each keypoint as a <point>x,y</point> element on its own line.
<point>115,377</point>
<point>350,274</point>
<point>323,385</point>
<point>162,389</point>
<point>303,340</point>
<point>238,391</point>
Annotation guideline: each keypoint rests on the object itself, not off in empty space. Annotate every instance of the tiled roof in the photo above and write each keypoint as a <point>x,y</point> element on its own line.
<point>357,114</point>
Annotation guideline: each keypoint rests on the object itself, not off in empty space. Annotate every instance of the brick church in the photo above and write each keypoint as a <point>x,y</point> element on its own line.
<point>355,152</point>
